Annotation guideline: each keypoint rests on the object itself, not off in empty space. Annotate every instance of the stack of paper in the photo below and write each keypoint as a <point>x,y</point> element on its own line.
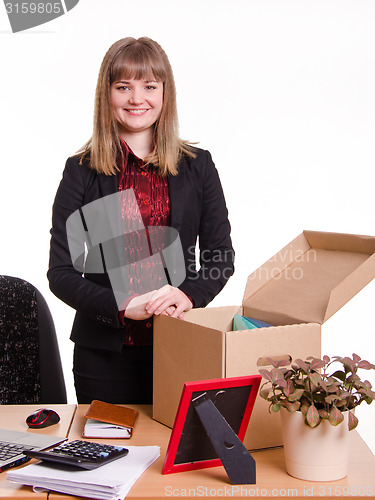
<point>98,429</point>
<point>109,482</point>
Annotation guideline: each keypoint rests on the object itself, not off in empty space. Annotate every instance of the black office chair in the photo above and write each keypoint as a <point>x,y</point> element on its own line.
<point>30,364</point>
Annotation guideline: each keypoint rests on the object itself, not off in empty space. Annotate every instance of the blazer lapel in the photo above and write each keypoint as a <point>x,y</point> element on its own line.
<point>176,194</point>
<point>112,244</point>
<point>107,184</point>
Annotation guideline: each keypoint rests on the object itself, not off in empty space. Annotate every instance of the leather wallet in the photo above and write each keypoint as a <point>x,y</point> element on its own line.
<point>112,414</point>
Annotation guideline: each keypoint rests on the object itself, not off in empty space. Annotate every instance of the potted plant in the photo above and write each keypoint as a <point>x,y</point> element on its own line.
<point>317,398</point>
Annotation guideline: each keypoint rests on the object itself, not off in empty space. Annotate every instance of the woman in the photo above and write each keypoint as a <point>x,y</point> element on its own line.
<point>134,149</point>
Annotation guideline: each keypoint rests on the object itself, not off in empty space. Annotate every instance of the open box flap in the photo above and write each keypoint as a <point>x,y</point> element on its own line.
<point>311,278</point>
<point>275,265</point>
<point>216,318</point>
<point>350,286</point>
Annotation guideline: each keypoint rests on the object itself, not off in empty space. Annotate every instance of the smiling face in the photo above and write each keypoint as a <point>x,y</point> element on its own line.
<point>136,105</point>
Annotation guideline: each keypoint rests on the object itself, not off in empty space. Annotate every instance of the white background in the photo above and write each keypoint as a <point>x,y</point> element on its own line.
<point>281,93</point>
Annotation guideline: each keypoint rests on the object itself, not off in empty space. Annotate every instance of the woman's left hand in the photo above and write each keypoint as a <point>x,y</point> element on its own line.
<point>169,298</point>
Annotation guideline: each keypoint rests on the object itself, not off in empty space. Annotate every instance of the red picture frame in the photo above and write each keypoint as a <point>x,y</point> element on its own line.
<point>190,390</point>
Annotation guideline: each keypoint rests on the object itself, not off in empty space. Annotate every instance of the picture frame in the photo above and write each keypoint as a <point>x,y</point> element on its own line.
<point>190,447</point>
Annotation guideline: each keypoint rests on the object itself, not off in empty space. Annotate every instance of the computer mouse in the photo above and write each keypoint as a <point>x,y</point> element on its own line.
<point>42,418</point>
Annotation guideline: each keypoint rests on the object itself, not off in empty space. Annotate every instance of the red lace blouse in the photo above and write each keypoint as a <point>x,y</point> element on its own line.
<point>152,196</point>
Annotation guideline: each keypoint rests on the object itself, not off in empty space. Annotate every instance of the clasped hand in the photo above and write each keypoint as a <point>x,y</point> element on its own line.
<point>168,300</point>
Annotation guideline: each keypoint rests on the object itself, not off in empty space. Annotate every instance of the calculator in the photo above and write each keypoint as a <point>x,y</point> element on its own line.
<point>83,454</point>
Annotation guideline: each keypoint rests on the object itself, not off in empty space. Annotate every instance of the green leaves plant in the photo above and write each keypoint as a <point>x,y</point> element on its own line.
<point>365,365</point>
<point>296,395</point>
<point>340,375</point>
<point>323,414</point>
<point>312,416</point>
<point>353,421</point>
<point>314,378</point>
<point>292,407</point>
<point>289,389</point>
<point>335,416</point>
<point>331,398</point>
<point>303,365</point>
<point>264,393</point>
<point>311,387</point>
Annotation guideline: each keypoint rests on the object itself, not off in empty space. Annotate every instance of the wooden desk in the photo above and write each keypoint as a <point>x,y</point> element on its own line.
<point>272,479</point>
<point>13,417</point>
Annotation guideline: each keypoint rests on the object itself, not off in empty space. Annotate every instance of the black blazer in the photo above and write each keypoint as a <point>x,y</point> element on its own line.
<point>198,211</point>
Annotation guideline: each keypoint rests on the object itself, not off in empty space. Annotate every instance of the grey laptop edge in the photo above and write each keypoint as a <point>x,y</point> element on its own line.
<point>12,444</point>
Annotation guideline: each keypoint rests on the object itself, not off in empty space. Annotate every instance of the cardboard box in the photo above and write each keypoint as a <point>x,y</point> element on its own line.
<point>296,290</point>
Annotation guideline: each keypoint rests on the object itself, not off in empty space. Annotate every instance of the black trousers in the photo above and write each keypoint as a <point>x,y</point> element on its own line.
<point>113,377</point>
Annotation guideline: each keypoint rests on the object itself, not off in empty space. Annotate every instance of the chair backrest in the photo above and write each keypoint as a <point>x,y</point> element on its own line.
<point>30,364</point>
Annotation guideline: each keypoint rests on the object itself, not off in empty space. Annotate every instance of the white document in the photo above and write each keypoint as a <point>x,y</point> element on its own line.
<point>108,482</point>
<point>98,429</point>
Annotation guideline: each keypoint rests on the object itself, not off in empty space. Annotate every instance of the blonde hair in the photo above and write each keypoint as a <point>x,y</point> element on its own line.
<point>139,59</point>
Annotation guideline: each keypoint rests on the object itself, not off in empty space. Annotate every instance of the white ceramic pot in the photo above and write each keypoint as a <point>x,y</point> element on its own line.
<point>319,454</point>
